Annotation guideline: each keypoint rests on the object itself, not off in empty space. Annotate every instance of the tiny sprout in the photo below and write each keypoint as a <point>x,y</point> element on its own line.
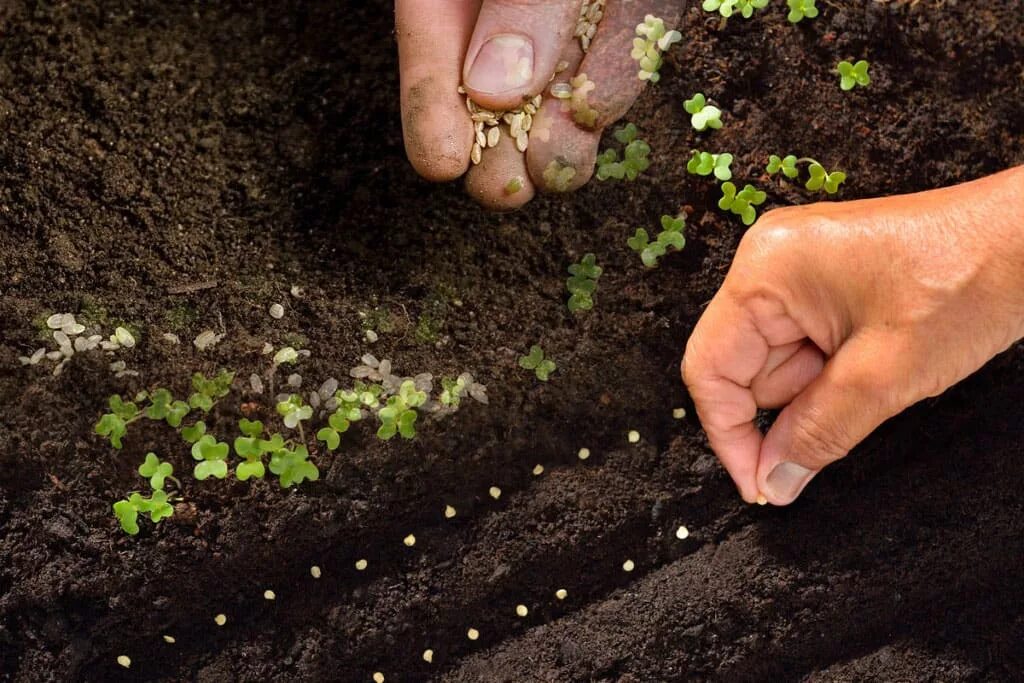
<point>628,566</point>
<point>787,165</point>
<point>741,203</point>
<point>634,160</point>
<point>682,533</point>
<point>819,179</point>
<point>156,471</point>
<point>114,425</point>
<point>409,541</point>
<point>124,338</point>
<point>702,114</point>
<point>207,391</point>
<point>399,415</point>
<point>583,283</point>
<point>292,466</point>
<point>522,610</point>
<point>337,424</point>
<point>162,406</point>
<point>671,236</point>
<point>535,360</point>
<point>314,571</point>
<point>360,565</point>
<point>633,436</point>
<point>703,163</point>
<point>472,634</point>
<point>852,75</point>
<point>251,448</point>
<point>220,619</point>
<point>294,411</point>
<point>212,455</point>
<point>561,594</point>
<point>651,42</point>
<point>727,8</point>
<point>127,511</point>
<point>125,661</point>
<point>194,432</point>
<point>798,9</point>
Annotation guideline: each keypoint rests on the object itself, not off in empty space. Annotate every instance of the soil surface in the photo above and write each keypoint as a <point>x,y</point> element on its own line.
<point>250,147</point>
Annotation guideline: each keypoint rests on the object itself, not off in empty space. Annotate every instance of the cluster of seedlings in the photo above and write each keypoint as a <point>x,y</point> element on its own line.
<point>670,237</point>
<point>651,42</point>
<point>634,156</point>
<point>582,283</point>
<point>798,9</point>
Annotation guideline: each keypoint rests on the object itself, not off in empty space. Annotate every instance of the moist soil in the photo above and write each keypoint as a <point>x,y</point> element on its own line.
<point>177,167</point>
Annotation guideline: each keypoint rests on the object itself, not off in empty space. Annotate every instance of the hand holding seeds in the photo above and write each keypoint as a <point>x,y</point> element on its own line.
<point>515,94</point>
<point>844,314</point>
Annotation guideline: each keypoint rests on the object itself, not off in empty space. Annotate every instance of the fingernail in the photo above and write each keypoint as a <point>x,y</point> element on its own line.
<point>505,62</point>
<point>786,481</point>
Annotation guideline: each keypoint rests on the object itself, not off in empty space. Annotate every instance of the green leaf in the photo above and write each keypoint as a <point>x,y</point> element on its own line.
<point>127,516</point>
<point>250,469</point>
<point>626,134</point>
<point>330,437</point>
<point>723,163</point>
<point>275,443</point>
<point>113,427</point>
<point>407,424</point>
<point>156,471</point>
<point>201,402</point>
<point>695,103</point>
<point>833,181</point>
<point>123,409</point>
<point>533,359</point>
<point>817,179</point>
<point>159,404</point>
<point>193,433</point>
<point>789,168</point>
<point>387,430</point>
<point>638,241</point>
<point>545,369</point>
<point>338,422</point>
<point>250,427</point>
<point>728,196</point>
<point>249,447</point>
<point>774,164</point>
<point>209,449</point>
<point>210,468</point>
<point>293,466</point>
<point>672,239</point>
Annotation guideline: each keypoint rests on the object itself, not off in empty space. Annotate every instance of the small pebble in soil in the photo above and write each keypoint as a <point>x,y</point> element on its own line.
<point>169,639</point>
<point>538,470</point>
<point>125,661</point>
<point>314,571</point>
<point>561,594</point>
<point>276,311</point>
<point>761,500</point>
<point>521,610</point>
<point>682,533</point>
<point>628,566</point>
<point>583,454</point>
<point>409,540</point>
<point>361,565</point>
<point>495,492</point>
<point>449,512</point>
<point>428,656</point>
<point>269,595</point>
<point>220,619</point>
<point>679,413</point>
<point>633,436</point>
<point>472,634</point>
<point>378,677</point>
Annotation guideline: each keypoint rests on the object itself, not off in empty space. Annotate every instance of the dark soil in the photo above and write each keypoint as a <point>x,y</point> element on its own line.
<point>144,145</point>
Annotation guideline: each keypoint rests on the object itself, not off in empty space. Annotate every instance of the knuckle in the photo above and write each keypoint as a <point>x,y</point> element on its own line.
<point>820,438</point>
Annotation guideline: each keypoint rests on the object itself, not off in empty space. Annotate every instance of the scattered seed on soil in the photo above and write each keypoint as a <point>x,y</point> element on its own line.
<point>682,533</point>
<point>361,565</point>
<point>169,639</point>
<point>206,339</point>
<point>378,677</point>
<point>256,383</point>
<point>58,320</point>
<point>220,619</point>
<point>449,512</point>
<point>125,661</point>
<point>276,311</point>
<point>633,436</point>
<point>538,470</point>
<point>171,338</point>
<point>124,337</point>
<point>761,500</point>
<point>583,454</point>
<point>269,595</point>
<point>679,413</point>
<point>472,634</point>
<point>521,610</point>
<point>267,348</point>
<point>371,336</point>
<point>314,571</point>
<point>409,540</point>
<point>495,492</point>
<point>561,594</point>
<point>428,656</point>
<point>296,291</point>
<point>628,565</point>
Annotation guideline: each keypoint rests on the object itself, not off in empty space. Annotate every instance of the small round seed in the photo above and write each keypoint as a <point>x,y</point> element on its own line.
<point>124,337</point>
<point>125,661</point>
<point>276,311</point>
<point>314,571</point>
<point>679,413</point>
<point>633,436</point>
<point>449,512</point>
<point>472,634</point>
<point>682,533</point>
<point>59,320</point>
<point>628,565</point>
<point>493,135</point>
<point>761,500</point>
<point>378,677</point>
<point>428,656</point>
<point>220,619</point>
<point>409,540</point>
<point>169,639</point>
<point>538,470</point>
<point>583,454</point>
<point>521,610</point>
<point>361,565</point>
<point>269,595</point>
<point>561,594</point>
<point>495,492</point>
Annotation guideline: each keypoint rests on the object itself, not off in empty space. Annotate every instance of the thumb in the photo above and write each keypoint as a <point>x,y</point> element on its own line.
<point>837,410</point>
<point>515,49</point>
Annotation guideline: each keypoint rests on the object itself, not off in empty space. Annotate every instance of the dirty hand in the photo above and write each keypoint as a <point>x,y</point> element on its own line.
<point>847,313</point>
<point>504,52</point>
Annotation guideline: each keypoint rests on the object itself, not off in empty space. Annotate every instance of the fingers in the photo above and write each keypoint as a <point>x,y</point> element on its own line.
<point>723,356</point>
<point>561,155</point>
<point>500,181</point>
<point>836,411</point>
<point>432,35</point>
<point>787,372</point>
<point>515,49</point>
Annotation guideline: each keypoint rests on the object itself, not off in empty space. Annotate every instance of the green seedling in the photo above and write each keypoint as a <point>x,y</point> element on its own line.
<point>157,471</point>
<point>285,355</point>
<point>452,391</point>
<point>741,203</point>
<point>293,411</point>
<point>703,163</point>
<point>292,466</point>
<point>819,178</point>
<point>337,424</point>
<point>114,425</point>
<point>535,360</point>
<point>162,406</point>
<point>852,75</point>
<point>727,8</point>
<point>127,511</point>
<point>634,160</point>
<point>193,433</point>
<point>670,237</point>
<point>652,41</point>
<point>702,114</point>
<point>798,9</point>
<point>212,456</point>
<point>251,447</point>
<point>362,395</point>
<point>399,414</point>
<point>207,391</point>
<point>583,283</point>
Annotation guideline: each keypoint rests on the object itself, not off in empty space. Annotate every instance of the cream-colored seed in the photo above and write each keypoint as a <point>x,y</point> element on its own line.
<point>125,661</point>
<point>538,470</point>
<point>633,436</point>
<point>378,677</point>
<point>495,492</point>
<point>314,571</point>
<point>628,565</point>
<point>169,639</point>
<point>522,141</point>
<point>562,66</point>
<point>679,413</point>
<point>220,619</point>
<point>361,565</point>
<point>428,656</point>
<point>761,500</point>
<point>682,533</point>
<point>583,454</point>
<point>475,154</point>
<point>521,610</point>
<point>472,634</point>
<point>493,135</point>
<point>481,137</point>
<point>269,595</point>
<point>276,311</point>
<point>409,540</point>
<point>528,119</point>
<point>561,594</point>
<point>449,512</point>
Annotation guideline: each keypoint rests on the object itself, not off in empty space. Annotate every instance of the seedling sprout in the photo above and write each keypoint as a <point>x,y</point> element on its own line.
<point>702,114</point>
<point>652,41</point>
<point>582,283</point>
<point>741,203</point>
<point>727,8</point>
<point>703,163</point>
<point>535,360</point>
<point>818,177</point>
<point>852,75</point>
<point>798,9</point>
<point>671,237</point>
<point>634,156</point>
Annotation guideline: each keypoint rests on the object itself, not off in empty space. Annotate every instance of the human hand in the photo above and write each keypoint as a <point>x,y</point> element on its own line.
<point>504,52</point>
<point>847,313</point>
